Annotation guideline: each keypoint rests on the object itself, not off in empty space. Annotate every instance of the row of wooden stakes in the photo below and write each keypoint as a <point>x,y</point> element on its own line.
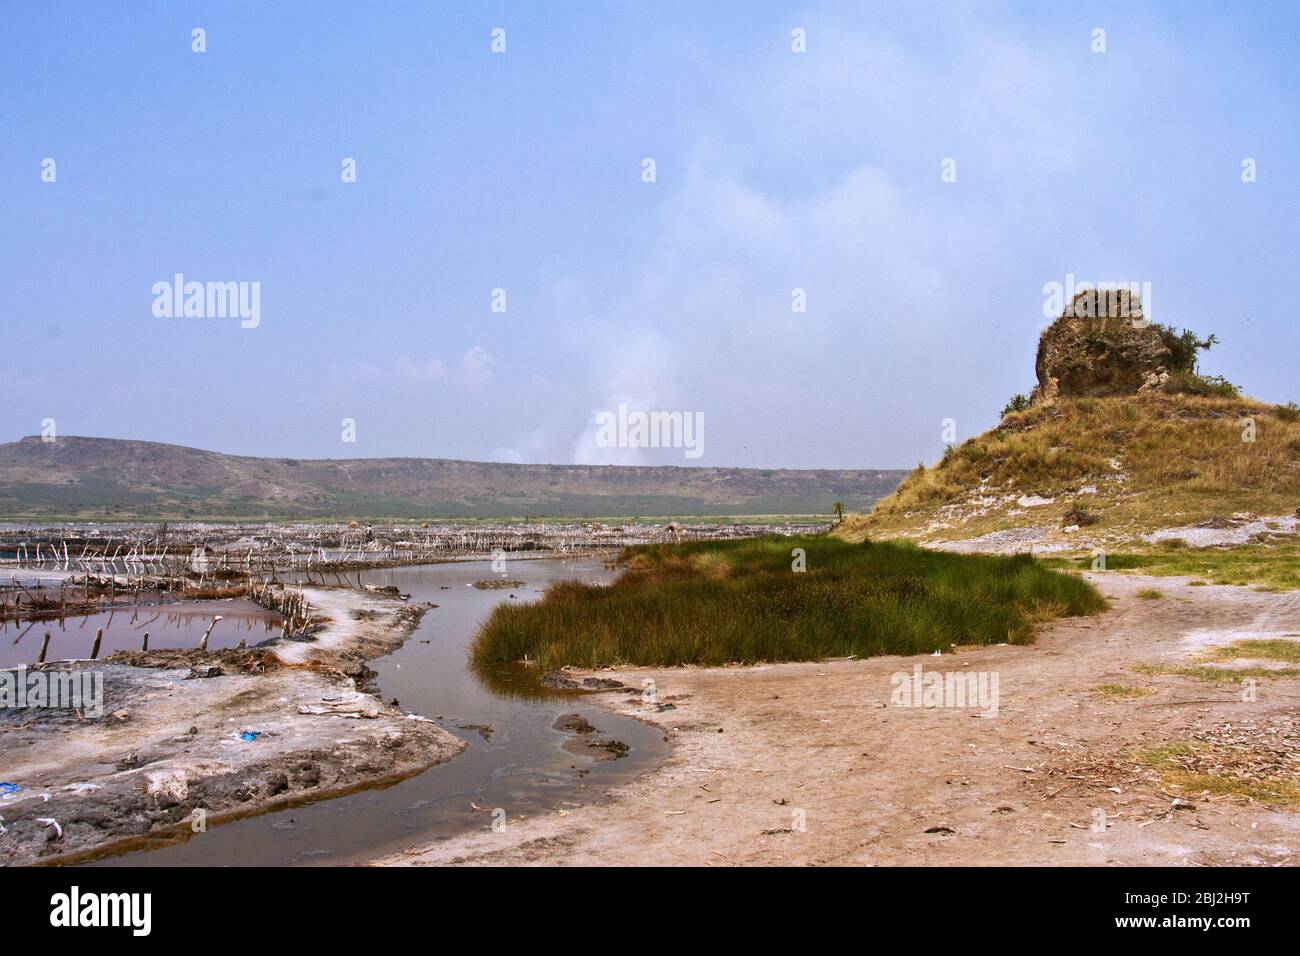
<point>144,643</point>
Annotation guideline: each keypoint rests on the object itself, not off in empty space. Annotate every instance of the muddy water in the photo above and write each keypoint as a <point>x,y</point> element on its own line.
<point>124,627</point>
<point>520,765</point>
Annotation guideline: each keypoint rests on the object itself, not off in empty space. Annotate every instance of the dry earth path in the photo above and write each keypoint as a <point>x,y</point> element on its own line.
<point>1050,779</point>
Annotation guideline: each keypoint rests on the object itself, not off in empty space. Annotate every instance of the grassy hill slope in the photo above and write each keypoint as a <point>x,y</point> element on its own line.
<point>1119,466</point>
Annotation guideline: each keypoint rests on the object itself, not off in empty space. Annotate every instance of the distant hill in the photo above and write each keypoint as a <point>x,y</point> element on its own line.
<point>105,478</point>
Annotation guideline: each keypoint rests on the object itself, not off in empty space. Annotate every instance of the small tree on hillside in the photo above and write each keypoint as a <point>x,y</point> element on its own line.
<point>1018,403</point>
<point>1184,347</point>
<point>838,508</point>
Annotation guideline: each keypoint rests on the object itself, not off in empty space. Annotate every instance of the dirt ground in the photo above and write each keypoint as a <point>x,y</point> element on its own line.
<point>810,763</point>
<point>285,724</point>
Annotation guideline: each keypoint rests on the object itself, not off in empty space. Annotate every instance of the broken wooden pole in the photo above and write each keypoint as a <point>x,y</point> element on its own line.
<point>144,644</point>
<point>94,648</point>
<point>203,641</point>
<point>45,646</point>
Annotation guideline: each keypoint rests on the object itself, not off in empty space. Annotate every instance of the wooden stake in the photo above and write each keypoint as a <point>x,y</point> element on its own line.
<point>94,648</point>
<point>144,644</point>
<point>203,641</point>
<point>45,646</point>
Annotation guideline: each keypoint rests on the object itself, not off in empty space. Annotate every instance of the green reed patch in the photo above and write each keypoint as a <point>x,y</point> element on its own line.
<point>717,602</point>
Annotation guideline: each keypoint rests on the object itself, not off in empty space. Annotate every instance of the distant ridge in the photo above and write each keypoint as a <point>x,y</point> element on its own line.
<point>109,478</point>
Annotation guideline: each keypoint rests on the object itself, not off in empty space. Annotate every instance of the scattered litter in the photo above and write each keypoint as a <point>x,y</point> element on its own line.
<point>340,709</point>
<point>81,787</point>
<point>8,788</point>
<point>248,736</point>
<point>54,824</point>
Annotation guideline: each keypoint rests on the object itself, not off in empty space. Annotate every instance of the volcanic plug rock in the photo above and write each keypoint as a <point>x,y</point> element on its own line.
<point>1102,345</point>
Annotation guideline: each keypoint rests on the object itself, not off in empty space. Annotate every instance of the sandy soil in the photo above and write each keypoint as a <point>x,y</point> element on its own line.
<point>170,742</point>
<point>1239,530</point>
<point>1050,779</point>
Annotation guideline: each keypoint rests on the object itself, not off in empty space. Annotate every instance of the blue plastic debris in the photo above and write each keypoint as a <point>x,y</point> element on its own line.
<point>8,788</point>
<point>249,735</point>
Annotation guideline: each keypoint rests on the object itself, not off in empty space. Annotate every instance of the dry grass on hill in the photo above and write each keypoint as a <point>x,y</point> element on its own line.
<point>1132,463</point>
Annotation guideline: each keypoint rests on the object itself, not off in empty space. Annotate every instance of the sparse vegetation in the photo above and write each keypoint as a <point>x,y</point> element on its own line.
<point>1189,383</point>
<point>1269,567</point>
<point>1018,403</point>
<point>1277,649</point>
<point>1122,691</point>
<point>1145,457</point>
<point>1220,770</point>
<point>723,601</point>
<point>1150,594</point>
<point>1216,675</point>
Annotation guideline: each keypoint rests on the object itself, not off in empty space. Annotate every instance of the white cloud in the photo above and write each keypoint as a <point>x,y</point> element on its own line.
<point>630,366</point>
<point>476,367</point>
<point>426,370</point>
<point>711,298</point>
<point>529,448</point>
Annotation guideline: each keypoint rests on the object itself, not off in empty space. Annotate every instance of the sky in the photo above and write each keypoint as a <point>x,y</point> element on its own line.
<point>828,170</point>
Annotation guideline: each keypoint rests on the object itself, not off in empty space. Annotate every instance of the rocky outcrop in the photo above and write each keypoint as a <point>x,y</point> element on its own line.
<point>1102,345</point>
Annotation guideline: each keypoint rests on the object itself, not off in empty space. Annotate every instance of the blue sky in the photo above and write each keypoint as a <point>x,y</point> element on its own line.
<point>522,170</point>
